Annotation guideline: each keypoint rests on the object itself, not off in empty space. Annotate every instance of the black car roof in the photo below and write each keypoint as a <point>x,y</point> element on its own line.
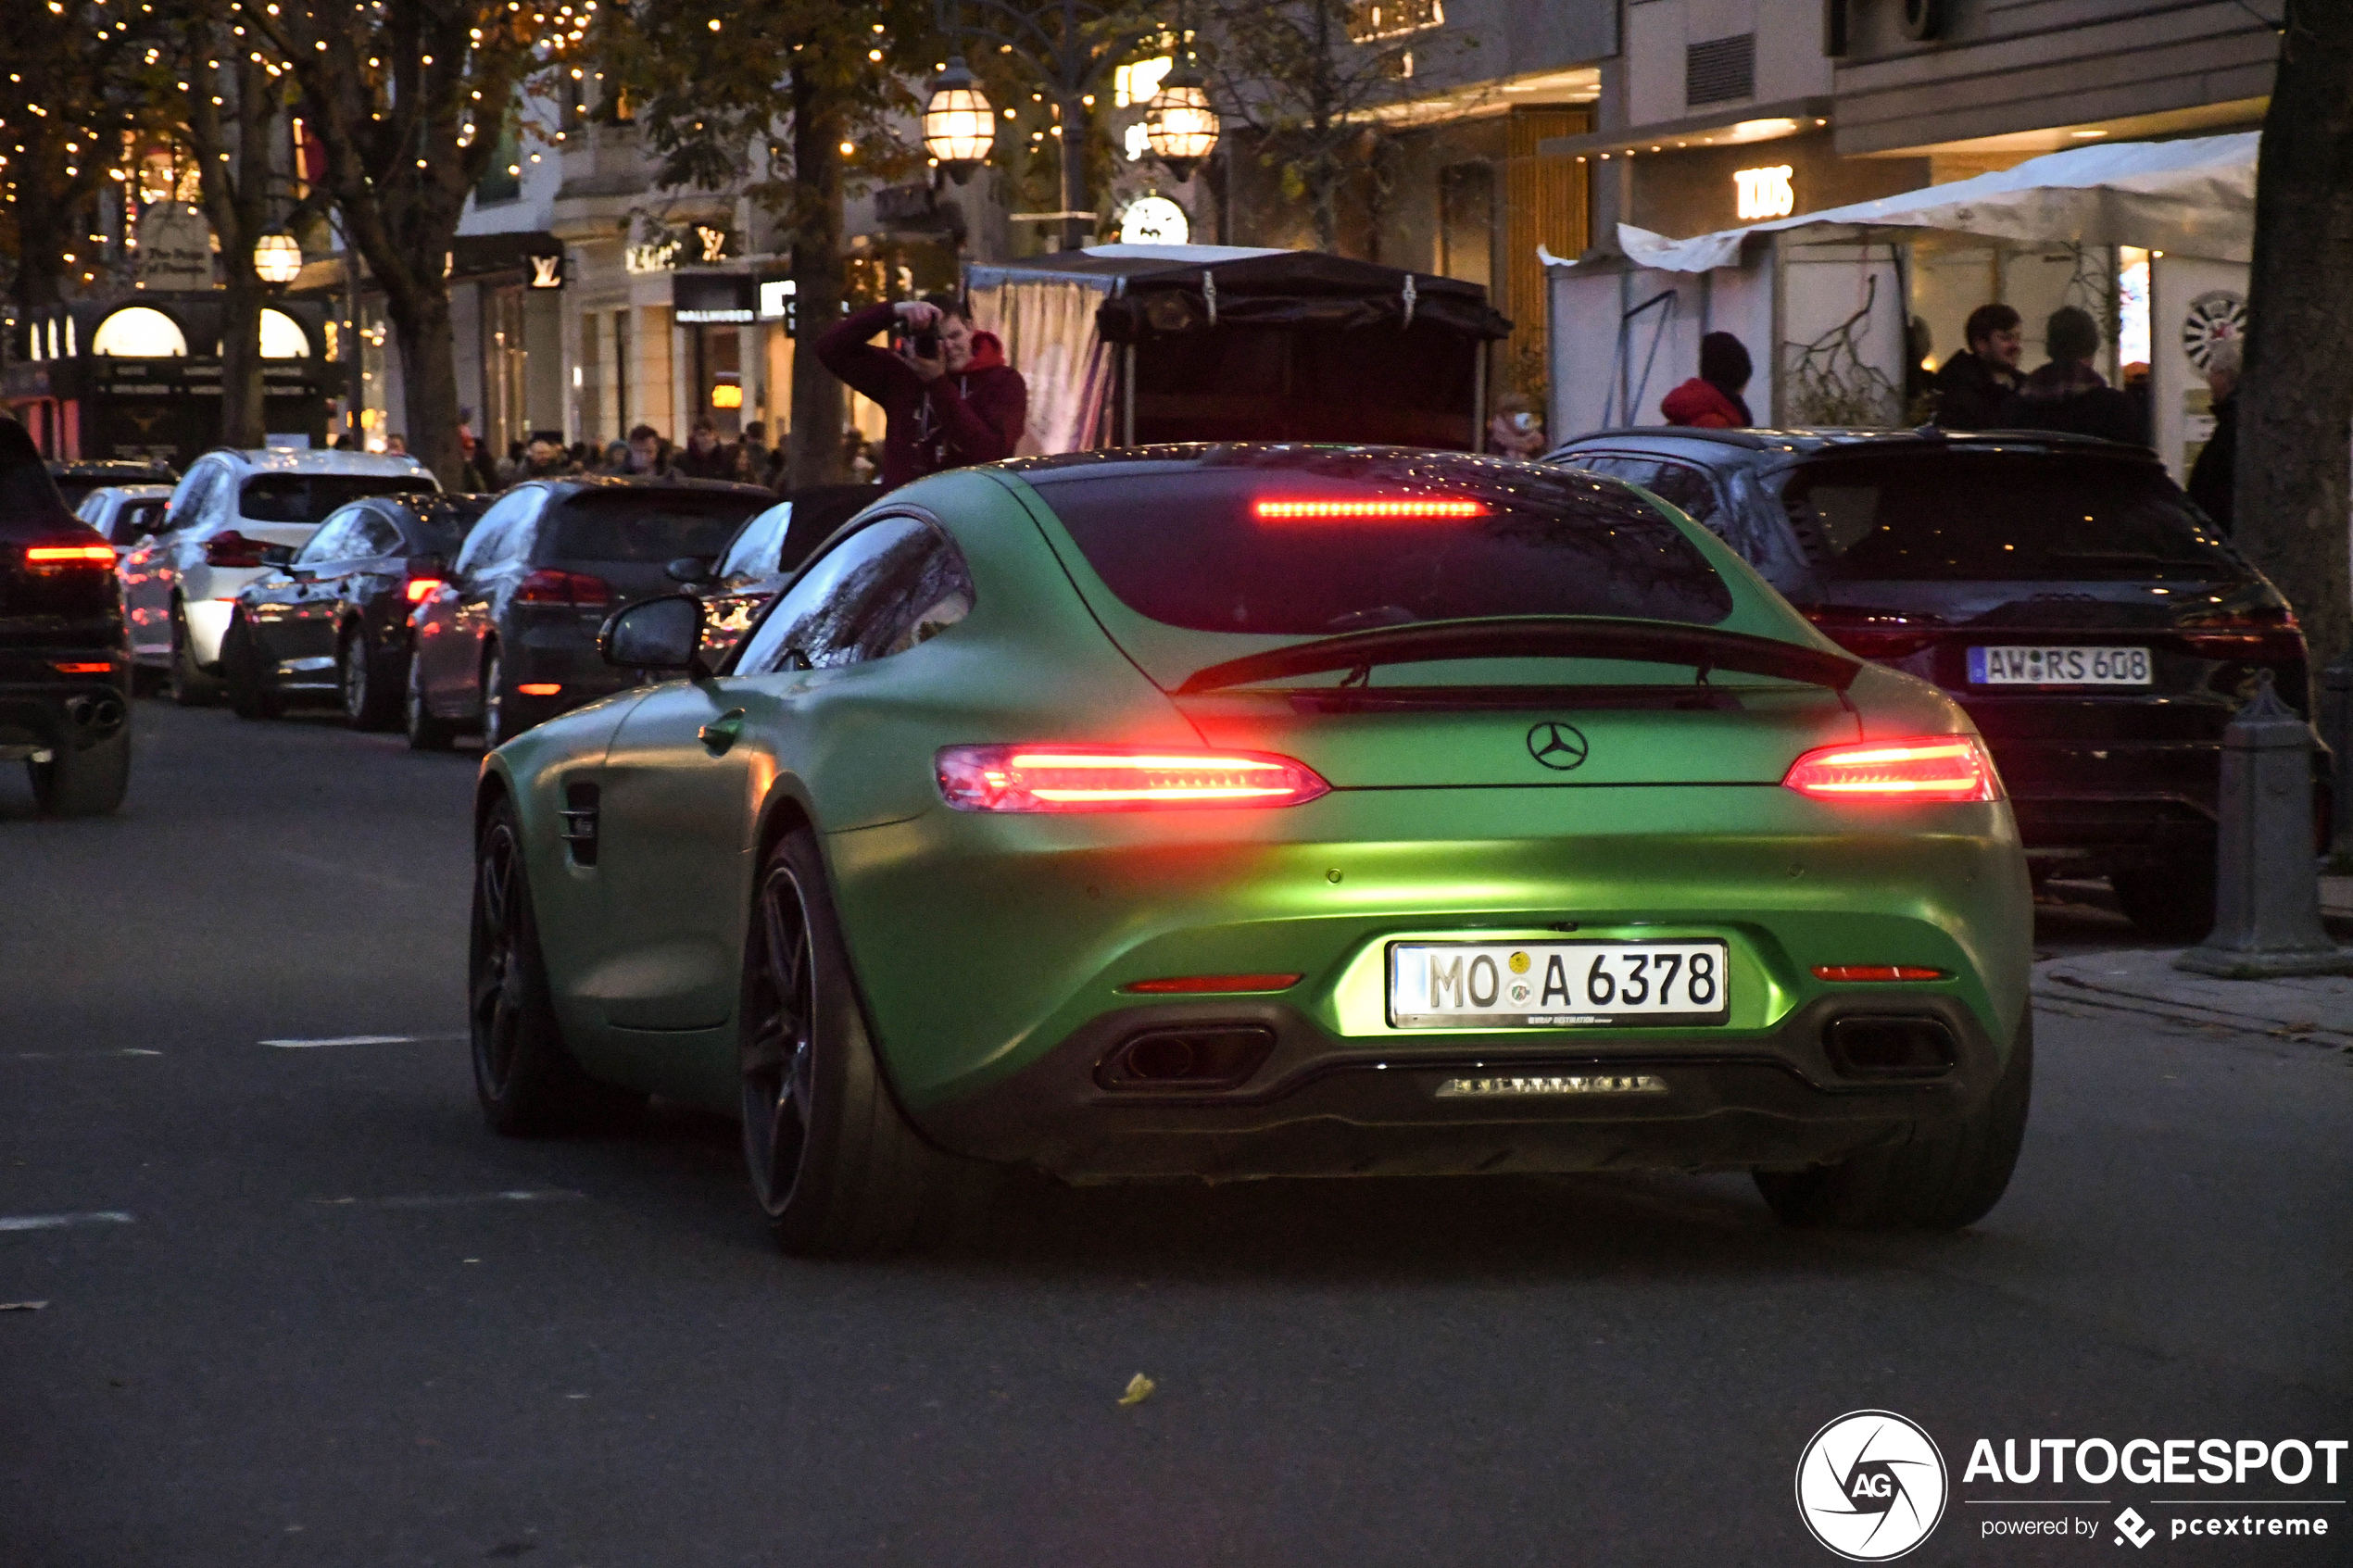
<point>586,482</point>
<point>1817,439</point>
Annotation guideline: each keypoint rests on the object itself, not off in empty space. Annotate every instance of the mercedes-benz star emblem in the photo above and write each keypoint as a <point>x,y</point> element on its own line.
<point>1556,745</point>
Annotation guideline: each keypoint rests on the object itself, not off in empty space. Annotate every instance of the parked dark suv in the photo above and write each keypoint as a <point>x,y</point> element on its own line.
<point>2094,624</point>
<point>510,640</point>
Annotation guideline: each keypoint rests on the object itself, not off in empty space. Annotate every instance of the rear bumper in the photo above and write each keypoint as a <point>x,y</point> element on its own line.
<point>41,710</point>
<point>1322,1105</point>
<point>2115,802</point>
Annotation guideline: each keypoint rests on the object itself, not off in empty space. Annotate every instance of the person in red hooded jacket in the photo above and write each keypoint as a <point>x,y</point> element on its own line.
<point>966,406</point>
<point>1711,400</point>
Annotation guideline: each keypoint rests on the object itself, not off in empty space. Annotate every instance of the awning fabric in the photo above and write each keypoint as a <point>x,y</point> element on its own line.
<point>2194,197</point>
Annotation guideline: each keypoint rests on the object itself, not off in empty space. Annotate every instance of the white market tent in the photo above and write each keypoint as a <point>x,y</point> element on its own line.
<point>1832,291</point>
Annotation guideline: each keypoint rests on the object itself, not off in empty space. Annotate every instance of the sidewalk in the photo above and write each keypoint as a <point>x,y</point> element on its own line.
<point>2318,1009</point>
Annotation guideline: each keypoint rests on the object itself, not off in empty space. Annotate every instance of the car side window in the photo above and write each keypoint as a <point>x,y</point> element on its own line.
<point>373,533</point>
<point>751,554</point>
<point>1686,488</point>
<point>483,545</point>
<point>188,506</point>
<point>331,541</point>
<point>894,583</point>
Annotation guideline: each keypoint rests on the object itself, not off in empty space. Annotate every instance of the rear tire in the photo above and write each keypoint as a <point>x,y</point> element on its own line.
<point>835,1164</point>
<point>1940,1177</point>
<point>425,732</point>
<point>90,782</point>
<point>524,1075</point>
<point>241,672</point>
<point>191,687</point>
<point>2170,900</point>
<point>370,701</point>
<point>498,702</point>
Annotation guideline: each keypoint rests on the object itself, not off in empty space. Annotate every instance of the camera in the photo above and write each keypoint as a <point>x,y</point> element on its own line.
<point>926,344</point>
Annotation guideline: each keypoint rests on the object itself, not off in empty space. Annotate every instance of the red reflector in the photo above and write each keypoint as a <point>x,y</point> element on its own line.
<point>69,554</point>
<point>420,589</point>
<point>540,688</point>
<point>1409,506</point>
<point>1935,768</point>
<point>1186,984</point>
<point>85,669</point>
<point>1853,972</point>
<point>550,586</point>
<point>1111,778</point>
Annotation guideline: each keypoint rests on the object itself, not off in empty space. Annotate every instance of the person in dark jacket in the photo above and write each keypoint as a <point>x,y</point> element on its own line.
<point>964,406</point>
<point>2216,473</point>
<point>2068,394</point>
<point>1973,384</point>
<point>706,456</point>
<point>1711,400</point>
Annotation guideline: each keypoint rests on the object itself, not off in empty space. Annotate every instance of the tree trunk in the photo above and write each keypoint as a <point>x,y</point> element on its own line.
<point>2295,393</point>
<point>428,375</point>
<point>814,446</point>
<point>241,423</point>
<point>1076,231</point>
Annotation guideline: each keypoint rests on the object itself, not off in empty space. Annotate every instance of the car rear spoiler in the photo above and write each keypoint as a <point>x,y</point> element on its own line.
<point>1536,636</point>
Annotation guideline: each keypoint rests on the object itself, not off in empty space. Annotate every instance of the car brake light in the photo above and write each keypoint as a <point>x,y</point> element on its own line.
<point>1113,778</point>
<point>2267,635</point>
<point>1859,972</point>
<point>56,558</point>
<point>1935,768</point>
<point>1404,508</point>
<point>1874,637</point>
<point>98,669</point>
<point>1187,984</point>
<point>233,549</point>
<point>550,586</point>
<point>420,589</point>
<point>540,688</point>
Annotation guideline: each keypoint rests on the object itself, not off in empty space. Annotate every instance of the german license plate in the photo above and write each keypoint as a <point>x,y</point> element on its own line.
<point>2059,667</point>
<point>1555,985</point>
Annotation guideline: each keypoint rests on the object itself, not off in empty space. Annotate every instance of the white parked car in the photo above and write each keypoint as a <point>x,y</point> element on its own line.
<point>124,513</point>
<point>225,516</point>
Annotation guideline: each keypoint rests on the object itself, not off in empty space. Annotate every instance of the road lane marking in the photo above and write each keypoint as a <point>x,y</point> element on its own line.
<point>53,1221</point>
<point>448,1200</point>
<point>359,1040</point>
<point>67,1056</point>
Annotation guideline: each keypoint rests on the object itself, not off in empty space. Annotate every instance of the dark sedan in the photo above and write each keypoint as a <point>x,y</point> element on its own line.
<point>2097,627</point>
<point>764,554</point>
<point>76,478</point>
<point>510,640</point>
<point>332,623</point>
<point>65,661</point>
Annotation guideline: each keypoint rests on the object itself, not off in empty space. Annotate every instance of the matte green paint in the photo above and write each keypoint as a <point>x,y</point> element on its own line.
<point>980,941</point>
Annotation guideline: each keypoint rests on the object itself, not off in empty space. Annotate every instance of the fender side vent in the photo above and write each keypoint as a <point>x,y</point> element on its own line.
<point>580,823</point>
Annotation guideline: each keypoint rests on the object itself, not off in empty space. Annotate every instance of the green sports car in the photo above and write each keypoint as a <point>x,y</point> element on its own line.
<point>1227,811</point>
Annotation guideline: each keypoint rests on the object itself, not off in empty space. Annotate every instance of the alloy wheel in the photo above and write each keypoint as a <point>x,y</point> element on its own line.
<point>778,1050</point>
<point>493,702</point>
<point>495,999</point>
<point>355,678</point>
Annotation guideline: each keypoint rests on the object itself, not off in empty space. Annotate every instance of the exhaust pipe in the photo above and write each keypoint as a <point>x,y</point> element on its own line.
<point>95,714</point>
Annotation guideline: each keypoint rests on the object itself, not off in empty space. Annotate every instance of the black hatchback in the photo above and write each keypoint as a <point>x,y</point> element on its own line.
<point>2097,628</point>
<point>330,623</point>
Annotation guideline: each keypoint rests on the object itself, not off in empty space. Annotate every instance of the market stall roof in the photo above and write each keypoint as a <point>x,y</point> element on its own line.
<point>2194,197</point>
<point>1236,286</point>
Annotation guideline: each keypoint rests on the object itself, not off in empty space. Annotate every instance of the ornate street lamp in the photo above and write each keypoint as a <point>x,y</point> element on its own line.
<point>1179,122</point>
<point>277,258</point>
<point>959,122</point>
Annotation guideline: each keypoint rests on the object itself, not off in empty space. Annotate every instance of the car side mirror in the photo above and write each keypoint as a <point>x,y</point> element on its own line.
<point>690,570</point>
<point>277,555</point>
<point>656,634</point>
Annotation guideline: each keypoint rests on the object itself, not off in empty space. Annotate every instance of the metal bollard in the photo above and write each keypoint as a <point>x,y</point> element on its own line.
<point>2337,729</point>
<point>2267,893</point>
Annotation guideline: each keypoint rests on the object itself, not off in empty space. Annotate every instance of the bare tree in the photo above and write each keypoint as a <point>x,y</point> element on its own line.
<point>71,92</point>
<point>2296,401</point>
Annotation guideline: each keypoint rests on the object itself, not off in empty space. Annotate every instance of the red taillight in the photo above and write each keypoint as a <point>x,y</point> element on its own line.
<point>58,558</point>
<point>233,549</point>
<point>1404,508</point>
<point>1874,638</point>
<point>540,688</point>
<point>1115,778</point>
<point>1935,768</point>
<point>85,669</point>
<point>1847,972</point>
<point>1191,984</point>
<point>420,589</point>
<point>550,586</point>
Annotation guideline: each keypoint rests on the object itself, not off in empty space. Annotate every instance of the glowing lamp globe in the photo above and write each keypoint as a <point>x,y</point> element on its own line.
<point>1179,122</point>
<point>277,258</point>
<point>959,122</point>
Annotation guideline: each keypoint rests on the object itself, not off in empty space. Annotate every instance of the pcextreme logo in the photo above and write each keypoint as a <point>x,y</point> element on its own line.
<point>1870,1485</point>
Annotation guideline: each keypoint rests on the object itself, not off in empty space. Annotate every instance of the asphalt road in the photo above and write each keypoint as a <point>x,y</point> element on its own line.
<point>303,1309</point>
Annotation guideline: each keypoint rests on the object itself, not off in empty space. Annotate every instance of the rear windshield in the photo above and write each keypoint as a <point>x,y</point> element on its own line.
<point>1191,548</point>
<point>441,527</point>
<point>617,525</point>
<point>309,497</point>
<point>2000,515</point>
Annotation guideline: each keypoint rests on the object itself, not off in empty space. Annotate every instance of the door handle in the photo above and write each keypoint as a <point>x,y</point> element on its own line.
<point>722,731</point>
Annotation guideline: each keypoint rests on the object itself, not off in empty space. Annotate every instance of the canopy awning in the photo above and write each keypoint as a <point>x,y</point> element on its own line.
<point>2194,197</point>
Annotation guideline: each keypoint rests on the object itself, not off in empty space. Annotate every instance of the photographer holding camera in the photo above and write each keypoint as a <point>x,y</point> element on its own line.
<point>950,398</point>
